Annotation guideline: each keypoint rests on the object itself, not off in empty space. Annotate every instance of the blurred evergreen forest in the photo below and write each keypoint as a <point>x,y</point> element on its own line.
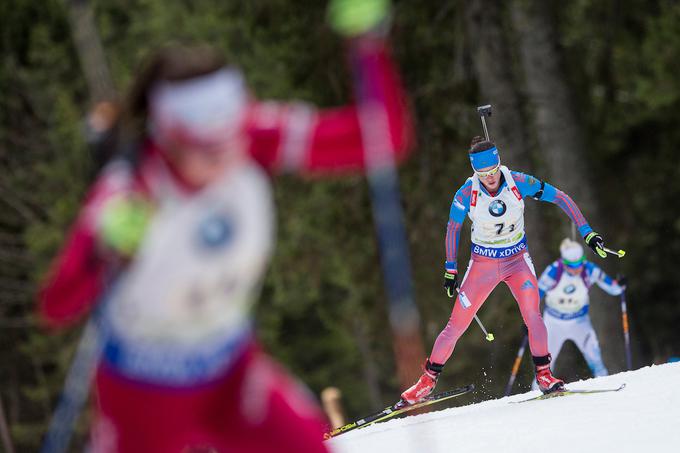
<point>586,95</point>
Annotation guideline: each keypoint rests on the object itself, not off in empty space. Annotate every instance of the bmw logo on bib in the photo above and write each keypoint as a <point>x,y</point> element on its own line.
<point>569,289</point>
<point>497,208</point>
<point>215,231</point>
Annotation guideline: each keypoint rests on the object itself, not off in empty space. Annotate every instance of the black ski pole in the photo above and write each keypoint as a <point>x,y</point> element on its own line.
<point>79,378</point>
<point>388,217</point>
<point>76,387</point>
<point>487,335</point>
<point>515,366</point>
<point>626,335</point>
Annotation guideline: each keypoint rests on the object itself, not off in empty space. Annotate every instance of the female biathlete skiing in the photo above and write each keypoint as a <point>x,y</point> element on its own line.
<point>493,198</point>
<point>565,284</point>
<point>175,239</point>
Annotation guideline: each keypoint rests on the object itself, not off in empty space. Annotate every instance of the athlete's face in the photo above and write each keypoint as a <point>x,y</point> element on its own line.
<point>200,166</point>
<point>489,178</point>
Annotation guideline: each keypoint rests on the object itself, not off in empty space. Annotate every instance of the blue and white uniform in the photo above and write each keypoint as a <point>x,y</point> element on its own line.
<point>566,309</point>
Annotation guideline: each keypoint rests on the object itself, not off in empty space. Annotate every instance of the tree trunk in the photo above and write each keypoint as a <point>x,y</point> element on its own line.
<point>562,144</point>
<point>371,374</point>
<point>493,64</point>
<point>497,84</point>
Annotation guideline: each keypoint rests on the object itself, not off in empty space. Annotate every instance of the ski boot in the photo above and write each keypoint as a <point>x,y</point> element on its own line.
<point>425,385</point>
<point>547,383</point>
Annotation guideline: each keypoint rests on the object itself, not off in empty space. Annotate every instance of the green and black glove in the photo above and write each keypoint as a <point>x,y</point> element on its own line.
<point>450,283</point>
<point>123,223</point>
<point>351,18</point>
<point>596,243</point>
<point>622,281</point>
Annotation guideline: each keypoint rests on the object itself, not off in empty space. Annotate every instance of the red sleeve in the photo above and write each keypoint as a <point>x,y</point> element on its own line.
<point>77,276</point>
<point>74,282</point>
<point>296,137</point>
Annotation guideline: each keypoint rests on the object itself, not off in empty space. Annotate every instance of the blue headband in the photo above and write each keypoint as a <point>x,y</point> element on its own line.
<point>487,158</point>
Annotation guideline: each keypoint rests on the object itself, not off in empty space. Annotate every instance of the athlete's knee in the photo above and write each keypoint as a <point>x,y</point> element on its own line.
<point>534,321</point>
<point>453,331</point>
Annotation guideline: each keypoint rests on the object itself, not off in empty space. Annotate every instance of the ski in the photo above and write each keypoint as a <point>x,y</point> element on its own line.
<point>568,392</point>
<point>398,409</point>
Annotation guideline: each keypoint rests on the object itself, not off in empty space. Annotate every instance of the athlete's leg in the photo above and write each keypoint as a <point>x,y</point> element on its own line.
<point>586,341</point>
<point>480,279</point>
<point>277,412</point>
<point>557,335</point>
<point>135,417</point>
<point>518,273</point>
<point>256,408</point>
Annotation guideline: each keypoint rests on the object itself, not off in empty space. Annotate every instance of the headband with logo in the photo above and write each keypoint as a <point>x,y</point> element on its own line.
<point>485,159</point>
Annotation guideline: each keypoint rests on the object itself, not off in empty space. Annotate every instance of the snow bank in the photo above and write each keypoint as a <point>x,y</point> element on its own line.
<point>645,416</point>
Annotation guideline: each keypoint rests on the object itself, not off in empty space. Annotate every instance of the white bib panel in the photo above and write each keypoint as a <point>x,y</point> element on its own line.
<point>570,295</point>
<point>498,221</point>
<point>198,272</point>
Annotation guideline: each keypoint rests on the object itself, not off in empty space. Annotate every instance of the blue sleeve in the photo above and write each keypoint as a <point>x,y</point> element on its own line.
<point>604,281</point>
<point>548,279</point>
<point>459,208</point>
<point>530,186</point>
<point>460,205</point>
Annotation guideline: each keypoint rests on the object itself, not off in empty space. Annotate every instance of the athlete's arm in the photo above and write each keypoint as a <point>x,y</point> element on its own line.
<point>301,138</point>
<point>459,209</point>
<point>78,274</point>
<point>604,281</point>
<point>540,190</point>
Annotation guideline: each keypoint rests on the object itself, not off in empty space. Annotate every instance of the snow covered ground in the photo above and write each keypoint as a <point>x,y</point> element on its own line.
<point>643,417</point>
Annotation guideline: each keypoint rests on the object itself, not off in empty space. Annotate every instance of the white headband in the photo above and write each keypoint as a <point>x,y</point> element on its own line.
<point>203,110</point>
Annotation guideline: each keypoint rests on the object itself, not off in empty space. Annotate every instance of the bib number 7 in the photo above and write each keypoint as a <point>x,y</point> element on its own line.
<point>500,226</point>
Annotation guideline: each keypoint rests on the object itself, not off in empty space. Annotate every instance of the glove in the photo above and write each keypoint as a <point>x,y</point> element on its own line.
<point>123,222</point>
<point>450,283</point>
<point>622,281</point>
<point>352,18</point>
<point>595,242</point>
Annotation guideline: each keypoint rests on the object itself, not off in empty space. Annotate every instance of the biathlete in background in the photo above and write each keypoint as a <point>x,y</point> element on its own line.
<point>565,285</point>
<point>493,198</point>
<point>177,239</point>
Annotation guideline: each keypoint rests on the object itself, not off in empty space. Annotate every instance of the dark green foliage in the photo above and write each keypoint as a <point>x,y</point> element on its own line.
<point>322,311</point>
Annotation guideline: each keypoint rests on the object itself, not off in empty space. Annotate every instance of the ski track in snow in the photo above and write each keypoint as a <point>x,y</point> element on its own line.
<point>643,417</point>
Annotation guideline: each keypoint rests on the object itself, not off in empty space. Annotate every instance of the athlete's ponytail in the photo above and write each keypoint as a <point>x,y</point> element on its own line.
<point>480,144</point>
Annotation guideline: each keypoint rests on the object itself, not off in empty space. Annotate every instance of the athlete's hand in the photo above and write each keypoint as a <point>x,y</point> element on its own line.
<point>450,283</point>
<point>596,243</point>
<point>123,223</point>
<point>352,18</point>
<point>622,281</point>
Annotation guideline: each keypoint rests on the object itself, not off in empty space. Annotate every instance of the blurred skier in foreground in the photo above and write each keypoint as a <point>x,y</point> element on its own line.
<point>565,284</point>
<point>493,198</point>
<point>175,237</point>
